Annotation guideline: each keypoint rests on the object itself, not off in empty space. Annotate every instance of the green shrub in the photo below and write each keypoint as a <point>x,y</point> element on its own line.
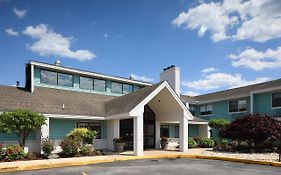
<point>47,146</point>
<point>13,152</point>
<point>89,136</point>
<point>1,151</point>
<point>206,142</point>
<point>218,123</point>
<point>70,146</point>
<point>224,142</point>
<point>87,150</point>
<point>191,143</point>
<point>78,134</point>
<point>197,139</point>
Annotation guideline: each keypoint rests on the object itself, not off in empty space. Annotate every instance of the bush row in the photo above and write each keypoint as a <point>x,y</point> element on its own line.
<point>201,142</point>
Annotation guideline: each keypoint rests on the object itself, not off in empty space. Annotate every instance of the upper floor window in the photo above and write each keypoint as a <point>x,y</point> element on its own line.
<point>206,109</point>
<point>276,99</point>
<point>192,110</point>
<point>86,83</point>
<point>238,105</point>
<point>136,88</point>
<point>99,85</point>
<point>127,88</point>
<point>65,80</point>
<point>116,88</point>
<point>49,77</point>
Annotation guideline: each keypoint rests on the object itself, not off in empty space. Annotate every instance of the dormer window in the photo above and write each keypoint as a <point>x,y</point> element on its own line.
<point>127,88</point>
<point>65,80</point>
<point>99,85</point>
<point>86,83</point>
<point>49,77</point>
<point>116,87</point>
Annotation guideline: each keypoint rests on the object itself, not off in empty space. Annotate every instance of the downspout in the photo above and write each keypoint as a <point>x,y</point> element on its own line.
<point>251,103</point>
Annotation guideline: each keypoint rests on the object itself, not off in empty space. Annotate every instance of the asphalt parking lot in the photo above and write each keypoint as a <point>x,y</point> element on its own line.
<point>160,167</point>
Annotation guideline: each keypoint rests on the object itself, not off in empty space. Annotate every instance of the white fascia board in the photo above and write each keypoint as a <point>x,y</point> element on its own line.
<point>136,110</point>
<point>223,99</point>
<point>63,116</point>
<point>197,123</point>
<point>72,70</point>
<point>118,116</point>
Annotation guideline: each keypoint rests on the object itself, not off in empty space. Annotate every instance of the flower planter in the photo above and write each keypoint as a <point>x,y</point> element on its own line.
<point>118,147</point>
<point>164,144</point>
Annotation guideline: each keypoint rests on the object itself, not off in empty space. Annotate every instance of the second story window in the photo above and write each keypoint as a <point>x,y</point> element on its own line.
<point>86,83</point>
<point>238,105</point>
<point>192,110</point>
<point>65,80</point>
<point>49,77</point>
<point>206,109</point>
<point>99,85</point>
<point>116,88</point>
<point>276,99</point>
<point>127,88</point>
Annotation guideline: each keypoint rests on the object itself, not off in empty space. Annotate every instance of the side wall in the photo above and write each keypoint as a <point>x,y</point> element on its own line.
<point>263,104</point>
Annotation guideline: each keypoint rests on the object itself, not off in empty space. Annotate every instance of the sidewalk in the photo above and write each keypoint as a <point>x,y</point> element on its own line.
<point>153,154</point>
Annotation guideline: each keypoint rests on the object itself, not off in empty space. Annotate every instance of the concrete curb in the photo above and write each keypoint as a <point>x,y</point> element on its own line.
<point>48,164</point>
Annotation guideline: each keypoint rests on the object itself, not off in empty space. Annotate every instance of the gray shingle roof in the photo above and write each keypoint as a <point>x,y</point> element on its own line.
<point>245,90</point>
<point>127,102</point>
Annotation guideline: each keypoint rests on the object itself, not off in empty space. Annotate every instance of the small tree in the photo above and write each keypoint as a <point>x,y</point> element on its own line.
<point>253,128</point>
<point>22,123</point>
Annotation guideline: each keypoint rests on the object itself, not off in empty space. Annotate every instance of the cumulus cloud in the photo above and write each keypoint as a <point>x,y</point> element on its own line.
<point>11,32</point>
<point>19,13</point>
<point>208,70</point>
<point>191,93</point>
<point>141,78</point>
<point>257,60</point>
<point>246,16</point>
<point>50,43</point>
<point>221,80</point>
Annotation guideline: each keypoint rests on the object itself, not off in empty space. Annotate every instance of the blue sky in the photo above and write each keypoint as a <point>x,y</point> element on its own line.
<point>217,44</point>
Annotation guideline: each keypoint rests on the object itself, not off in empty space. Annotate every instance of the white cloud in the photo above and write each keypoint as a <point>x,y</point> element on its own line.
<point>209,69</point>
<point>257,20</point>
<point>19,13</point>
<point>51,43</point>
<point>221,80</point>
<point>11,32</point>
<point>191,93</point>
<point>106,35</point>
<point>257,60</point>
<point>141,78</point>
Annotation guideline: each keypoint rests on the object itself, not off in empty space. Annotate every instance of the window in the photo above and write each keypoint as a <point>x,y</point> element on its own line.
<point>99,85</point>
<point>48,77</point>
<point>116,88</point>
<point>177,129</point>
<point>86,83</point>
<point>206,109</point>
<point>65,80</point>
<point>164,131</point>
<point>136,88</point>
<point>237,105</point>
<point>127,88</point>
<point>192,110</point>
<point>276,99</point>
<point>91,126</point>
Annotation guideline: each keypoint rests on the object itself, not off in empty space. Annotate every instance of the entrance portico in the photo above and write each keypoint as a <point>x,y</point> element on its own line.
<point>163,102</point>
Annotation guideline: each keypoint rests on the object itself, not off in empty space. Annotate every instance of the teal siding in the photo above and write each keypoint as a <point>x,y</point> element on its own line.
<point>59,128</point>
<point>75,85</point>
<point>193,130</point>
<point>263,104</point>
<point>13,137</point>
<point>220,110</point>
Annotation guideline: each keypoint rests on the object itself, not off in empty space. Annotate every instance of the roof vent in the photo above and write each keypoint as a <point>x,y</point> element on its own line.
<point>132,78</point>
<point>57,63</point>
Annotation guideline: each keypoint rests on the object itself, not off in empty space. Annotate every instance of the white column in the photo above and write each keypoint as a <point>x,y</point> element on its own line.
<point>45,129</point>
<point>157,134</point>
<point>112,132</point>
<point>183,133</point>
<point>252,103</point>
<point>138,135</point>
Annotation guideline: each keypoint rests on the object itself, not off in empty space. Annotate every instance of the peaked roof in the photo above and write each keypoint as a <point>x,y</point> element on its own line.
<point>127,102</point>
<point>245,90</point>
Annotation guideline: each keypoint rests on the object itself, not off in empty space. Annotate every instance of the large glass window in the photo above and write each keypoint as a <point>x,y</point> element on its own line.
<point>127,88</point>
<point>177,129</point>
<point>91,126</point>
<point>238,105</point>
<point>116,87</point>
<point>192,110</point>
<point>99,85</point>
<point>86,83</point>
<point>49,77</point>
<point>65,80</point>
<point>164,131</point>
<point>206,109</point>
<point>276,99</point>
<point>136,88</point>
